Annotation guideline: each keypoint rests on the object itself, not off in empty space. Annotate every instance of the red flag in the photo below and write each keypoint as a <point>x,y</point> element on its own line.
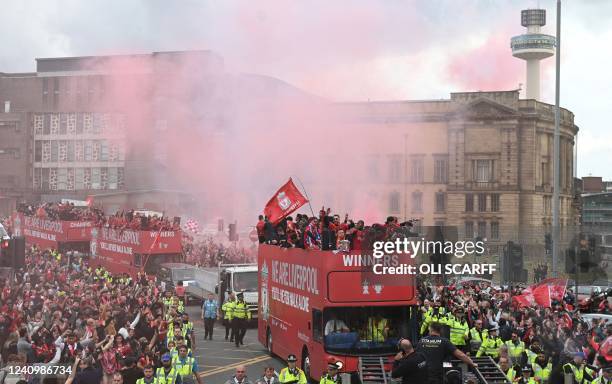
<point>541,295</point>
<point>286,200</point>
<point>557,287</point>
<point>522,300</point>
<point>89,200</point>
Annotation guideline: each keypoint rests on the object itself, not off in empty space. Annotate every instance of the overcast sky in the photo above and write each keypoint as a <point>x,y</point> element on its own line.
<point>343,49</point>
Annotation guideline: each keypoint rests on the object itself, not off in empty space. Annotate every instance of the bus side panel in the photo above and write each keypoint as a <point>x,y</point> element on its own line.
<point>284,305</point>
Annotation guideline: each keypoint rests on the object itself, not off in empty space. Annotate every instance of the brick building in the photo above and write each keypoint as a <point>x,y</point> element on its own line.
<point>64,128</point>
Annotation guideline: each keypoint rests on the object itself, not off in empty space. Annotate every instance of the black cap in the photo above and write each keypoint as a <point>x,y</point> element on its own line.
<point>527,368</point>
<point>333,365</point>
<point>292,358</point>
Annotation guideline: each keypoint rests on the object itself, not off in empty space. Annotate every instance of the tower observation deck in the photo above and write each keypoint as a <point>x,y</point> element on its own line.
<point>532,47</point>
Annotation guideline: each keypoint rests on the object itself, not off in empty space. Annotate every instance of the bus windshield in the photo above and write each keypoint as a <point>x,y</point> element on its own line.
<point>365,330</point>
<point>245,281</point>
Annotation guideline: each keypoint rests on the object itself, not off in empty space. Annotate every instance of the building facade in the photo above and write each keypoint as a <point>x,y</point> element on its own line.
<point>70,128</point>
<point>481,162</point>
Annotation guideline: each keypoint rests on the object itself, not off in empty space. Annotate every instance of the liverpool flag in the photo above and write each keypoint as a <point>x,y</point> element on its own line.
<point>286,200</point>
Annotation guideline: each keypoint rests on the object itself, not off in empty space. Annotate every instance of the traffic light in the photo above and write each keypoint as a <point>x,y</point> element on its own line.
<point>6,258</point>
<point>513,263</point>
<point>13,252</point>
<point>570,261</point>
<point>19,247</point>
<point>588,257</point>
<point>233,235</point>
<point>548,243</point>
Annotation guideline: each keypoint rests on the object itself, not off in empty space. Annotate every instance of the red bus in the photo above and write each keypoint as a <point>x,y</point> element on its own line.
<point>322,304</point>
<point>132,251</point>
<point>61,235</point>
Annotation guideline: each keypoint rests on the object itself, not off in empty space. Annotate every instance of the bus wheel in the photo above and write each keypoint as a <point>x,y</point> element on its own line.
<point>269,342</point>
<point>306,363</point>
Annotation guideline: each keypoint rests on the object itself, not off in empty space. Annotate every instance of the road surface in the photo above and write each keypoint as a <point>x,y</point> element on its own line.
<point>218,359</point>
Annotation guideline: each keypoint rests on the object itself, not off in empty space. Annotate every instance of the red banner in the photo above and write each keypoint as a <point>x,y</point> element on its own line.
<point>129,242</point>
<point>286,200</point>
<point>46,233</point>
<point>542,293</point>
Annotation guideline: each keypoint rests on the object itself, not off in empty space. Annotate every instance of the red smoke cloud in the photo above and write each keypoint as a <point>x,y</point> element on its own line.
<point>488,67</point>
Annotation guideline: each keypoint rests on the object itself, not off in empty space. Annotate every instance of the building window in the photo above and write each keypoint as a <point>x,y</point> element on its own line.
<point>45,90</point>
<point>112,179</point>
<point>63,153</point>
<point>494,230</point>
<point>96,150</point>
<point>417,202</point>
<point>395,168</point>
<point>394,202</point>
<point>70,150</point>
<point>79,178</point>
<point>483,170</point>
<point>119,178</point>
<point>62,179</point>
<point>39,123</point>
<point>38,151</point>
<point>495,202</point>
<point>63,123</point>
<point>55,123</point>
<point>441,171</point>
<point>104,150</point>
<point>88,150</point>
<point>545,174</point>
<point>417,169</point>
<point>71,123</point>
<point>70,183</point>
<point>104,178</point>
<point>482,229</point>
<point>469,229</point>
<point>469,202</point>
<point>482,202</point>
<point>439,223</point>
<point>46,174</point>
<point>56,92</point>
<point>96,179</point>
<point>37,176</point>
<point>53,179</point>
<point>54,150</point>
<point>440,202</point>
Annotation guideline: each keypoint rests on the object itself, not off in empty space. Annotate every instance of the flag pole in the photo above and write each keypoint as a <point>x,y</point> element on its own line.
<point>306,193</point>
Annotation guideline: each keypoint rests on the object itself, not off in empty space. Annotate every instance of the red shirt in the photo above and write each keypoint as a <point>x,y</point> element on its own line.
<point>260,227</point>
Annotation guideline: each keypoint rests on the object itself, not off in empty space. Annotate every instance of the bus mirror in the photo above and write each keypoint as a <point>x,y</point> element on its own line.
<point>217,289</point>
<point>309,325</point>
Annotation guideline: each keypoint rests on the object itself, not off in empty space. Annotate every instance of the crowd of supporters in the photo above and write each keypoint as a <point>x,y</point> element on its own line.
<point>545,343</point>
<point>206,251</point>
<point>130,219</point>
<point>107,328</point>
<point>328,232</point>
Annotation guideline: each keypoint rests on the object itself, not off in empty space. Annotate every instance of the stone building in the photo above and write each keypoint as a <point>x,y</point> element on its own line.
<point>479,161</point>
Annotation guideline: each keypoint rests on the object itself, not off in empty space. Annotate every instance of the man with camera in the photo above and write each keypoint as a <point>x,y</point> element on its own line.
<point>409,365</point>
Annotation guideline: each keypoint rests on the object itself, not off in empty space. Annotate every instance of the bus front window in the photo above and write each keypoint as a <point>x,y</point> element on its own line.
<point>361,330</point>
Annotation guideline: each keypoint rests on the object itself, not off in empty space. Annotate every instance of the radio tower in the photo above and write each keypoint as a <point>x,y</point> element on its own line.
<point>532,47</point>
